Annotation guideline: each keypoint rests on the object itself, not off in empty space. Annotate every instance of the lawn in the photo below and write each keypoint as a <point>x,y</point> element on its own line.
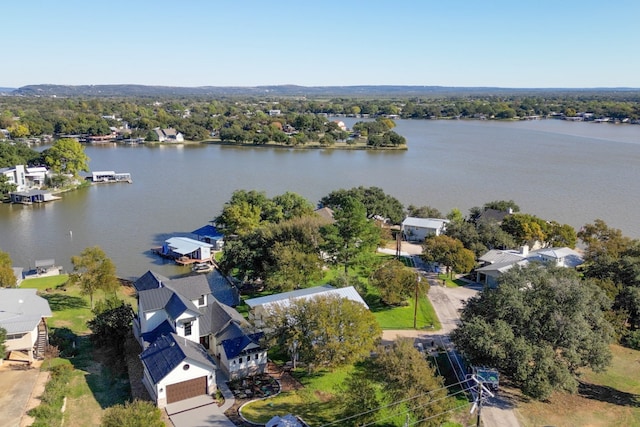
<point>610,398</point>
<point>93,386</point>
<point>402,317</point>
<point>314,403</point>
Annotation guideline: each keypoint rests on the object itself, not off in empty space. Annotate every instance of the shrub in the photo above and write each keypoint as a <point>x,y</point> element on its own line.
<point>133,414</point>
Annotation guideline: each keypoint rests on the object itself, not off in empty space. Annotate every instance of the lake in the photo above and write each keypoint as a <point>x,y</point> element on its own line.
<point>568,172</point>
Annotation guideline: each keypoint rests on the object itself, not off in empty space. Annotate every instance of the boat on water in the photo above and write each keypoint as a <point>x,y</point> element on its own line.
<point>202,267</point>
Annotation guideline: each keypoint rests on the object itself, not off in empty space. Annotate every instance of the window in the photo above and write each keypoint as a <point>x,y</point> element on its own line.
<point>240,360</point>
<point>201,300</point>
<point>186,367</point>
<point>187,329</point>
<point>256,356</point>
<point>14,336</point>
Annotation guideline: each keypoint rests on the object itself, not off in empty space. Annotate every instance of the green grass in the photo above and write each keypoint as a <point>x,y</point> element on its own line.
<point>609,398</point>
<point>92,386</point>
<point>455,283</point>
<point>314,403</point>
<point>402,317</point>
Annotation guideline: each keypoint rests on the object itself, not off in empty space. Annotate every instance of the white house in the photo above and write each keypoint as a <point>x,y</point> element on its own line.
<point>417,229</point>
<point>496,262</point>
<point>22,315</point>
<point>25,178</point>
<point>185,249</point>
<point>262,306</point>
<point>169,135</point>
<point>176,368</point>
<point>186,309</point>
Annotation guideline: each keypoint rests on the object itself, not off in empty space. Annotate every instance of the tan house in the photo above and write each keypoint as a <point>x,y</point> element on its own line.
<point>22,315</point>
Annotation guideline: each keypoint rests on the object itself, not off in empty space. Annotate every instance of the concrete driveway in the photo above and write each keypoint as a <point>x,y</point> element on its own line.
<point>15,389</point>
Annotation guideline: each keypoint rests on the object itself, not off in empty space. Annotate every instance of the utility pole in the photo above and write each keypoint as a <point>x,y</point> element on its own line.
<point>479,403</point>
<point>415,308</point>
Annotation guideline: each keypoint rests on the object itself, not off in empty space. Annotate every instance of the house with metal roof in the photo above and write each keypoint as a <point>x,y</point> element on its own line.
<point>496,262</point>
<point>261,307</point>
<point>176,368</point>
<point>186,308</point>
<point>417,229</point>
<point>210,234</point>
<point>23,315</point>
<point>185,250</point>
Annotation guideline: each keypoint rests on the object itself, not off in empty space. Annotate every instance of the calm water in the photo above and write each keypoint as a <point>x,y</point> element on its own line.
<point>569,172</point>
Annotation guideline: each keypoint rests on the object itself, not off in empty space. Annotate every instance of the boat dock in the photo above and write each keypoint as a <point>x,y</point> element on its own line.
<point>111,176</point>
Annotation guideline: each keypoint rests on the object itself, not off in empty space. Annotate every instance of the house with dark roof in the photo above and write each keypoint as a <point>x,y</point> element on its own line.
<point>23,315</point>
<point>176,368</point>
<point>169,135</point>
<point>186,309</point>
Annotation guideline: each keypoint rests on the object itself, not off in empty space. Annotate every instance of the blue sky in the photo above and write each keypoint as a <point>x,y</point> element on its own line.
<point>561,43</point>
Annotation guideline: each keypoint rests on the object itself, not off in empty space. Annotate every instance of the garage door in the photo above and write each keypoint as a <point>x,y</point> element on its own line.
<point>186,389</point>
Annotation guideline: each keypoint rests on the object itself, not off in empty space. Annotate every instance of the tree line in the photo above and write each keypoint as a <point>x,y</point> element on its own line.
<point>248,119</point>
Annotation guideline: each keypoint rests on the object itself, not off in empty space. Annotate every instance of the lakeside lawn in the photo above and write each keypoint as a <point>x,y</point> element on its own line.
<point>93,386</point>
<point>610,398</point>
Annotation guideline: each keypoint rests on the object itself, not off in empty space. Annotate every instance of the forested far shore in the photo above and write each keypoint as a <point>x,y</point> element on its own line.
<point>290,121</point>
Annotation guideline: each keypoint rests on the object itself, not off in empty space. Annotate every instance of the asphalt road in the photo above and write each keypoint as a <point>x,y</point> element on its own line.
<point>447,303</point>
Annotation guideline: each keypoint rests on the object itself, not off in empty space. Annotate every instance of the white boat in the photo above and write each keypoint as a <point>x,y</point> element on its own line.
<point>202,267</point>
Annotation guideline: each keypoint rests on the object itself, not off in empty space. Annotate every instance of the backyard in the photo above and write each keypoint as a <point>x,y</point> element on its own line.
<point>95,383</point>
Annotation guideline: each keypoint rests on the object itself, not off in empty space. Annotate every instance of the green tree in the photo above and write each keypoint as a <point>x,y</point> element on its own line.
<point>540,326</point>
<point>358,399</point>
<point>351,235</point>
<point>67,156</point>
<point>132,414</point>
<point>407,375</point>
<point>7,278</point>
<point>3,340</point>
<point>325,331</point>
<point>93,271</point>
<point>6,187</point>
<point>375,200</point>
<point>395,282</point>
<point>603,241</point>
<point>111,327</point>
<point>423,212</point>
<point>525,228</point>
<point>450,252</point>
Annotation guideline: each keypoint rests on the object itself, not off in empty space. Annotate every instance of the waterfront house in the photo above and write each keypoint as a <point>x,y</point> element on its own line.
<point>25,178</point>
<point>417,229</point>
<point>23,315</point>
<point>185,311</point>
<point>185,250</point>
<point>210,234</point>
<point>169,135</point>
<point>495,262</point>
<point>29,197</point>
<point>175,369</point>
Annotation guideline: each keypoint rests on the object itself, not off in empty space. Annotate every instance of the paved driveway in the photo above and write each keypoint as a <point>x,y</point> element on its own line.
<point>15,390</point>
<point>204,416</point>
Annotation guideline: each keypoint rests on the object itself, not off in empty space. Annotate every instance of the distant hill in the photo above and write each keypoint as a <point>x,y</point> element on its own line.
<point>48,90</point>
<point>6,90</point>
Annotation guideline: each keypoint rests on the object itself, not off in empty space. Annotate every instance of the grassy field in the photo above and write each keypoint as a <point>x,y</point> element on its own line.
<point>93,385</point>
<point>610,398</point>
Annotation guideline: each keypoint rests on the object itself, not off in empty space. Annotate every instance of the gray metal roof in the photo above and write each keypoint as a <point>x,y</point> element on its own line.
<point>348,292</point>
<point>168,351</point>
<point>154,299</point>
<point>191,287</point>
<point>430,223</point>
<point>185,245</point>
<point>21,310</point>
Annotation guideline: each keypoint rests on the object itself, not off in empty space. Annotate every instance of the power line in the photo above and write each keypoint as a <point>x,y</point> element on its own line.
<point>411,409</point>
<point>455,408</point>
<point>391,404</point>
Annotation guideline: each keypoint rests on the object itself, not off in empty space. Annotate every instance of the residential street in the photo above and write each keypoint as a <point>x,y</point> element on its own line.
<point>447,302</point>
